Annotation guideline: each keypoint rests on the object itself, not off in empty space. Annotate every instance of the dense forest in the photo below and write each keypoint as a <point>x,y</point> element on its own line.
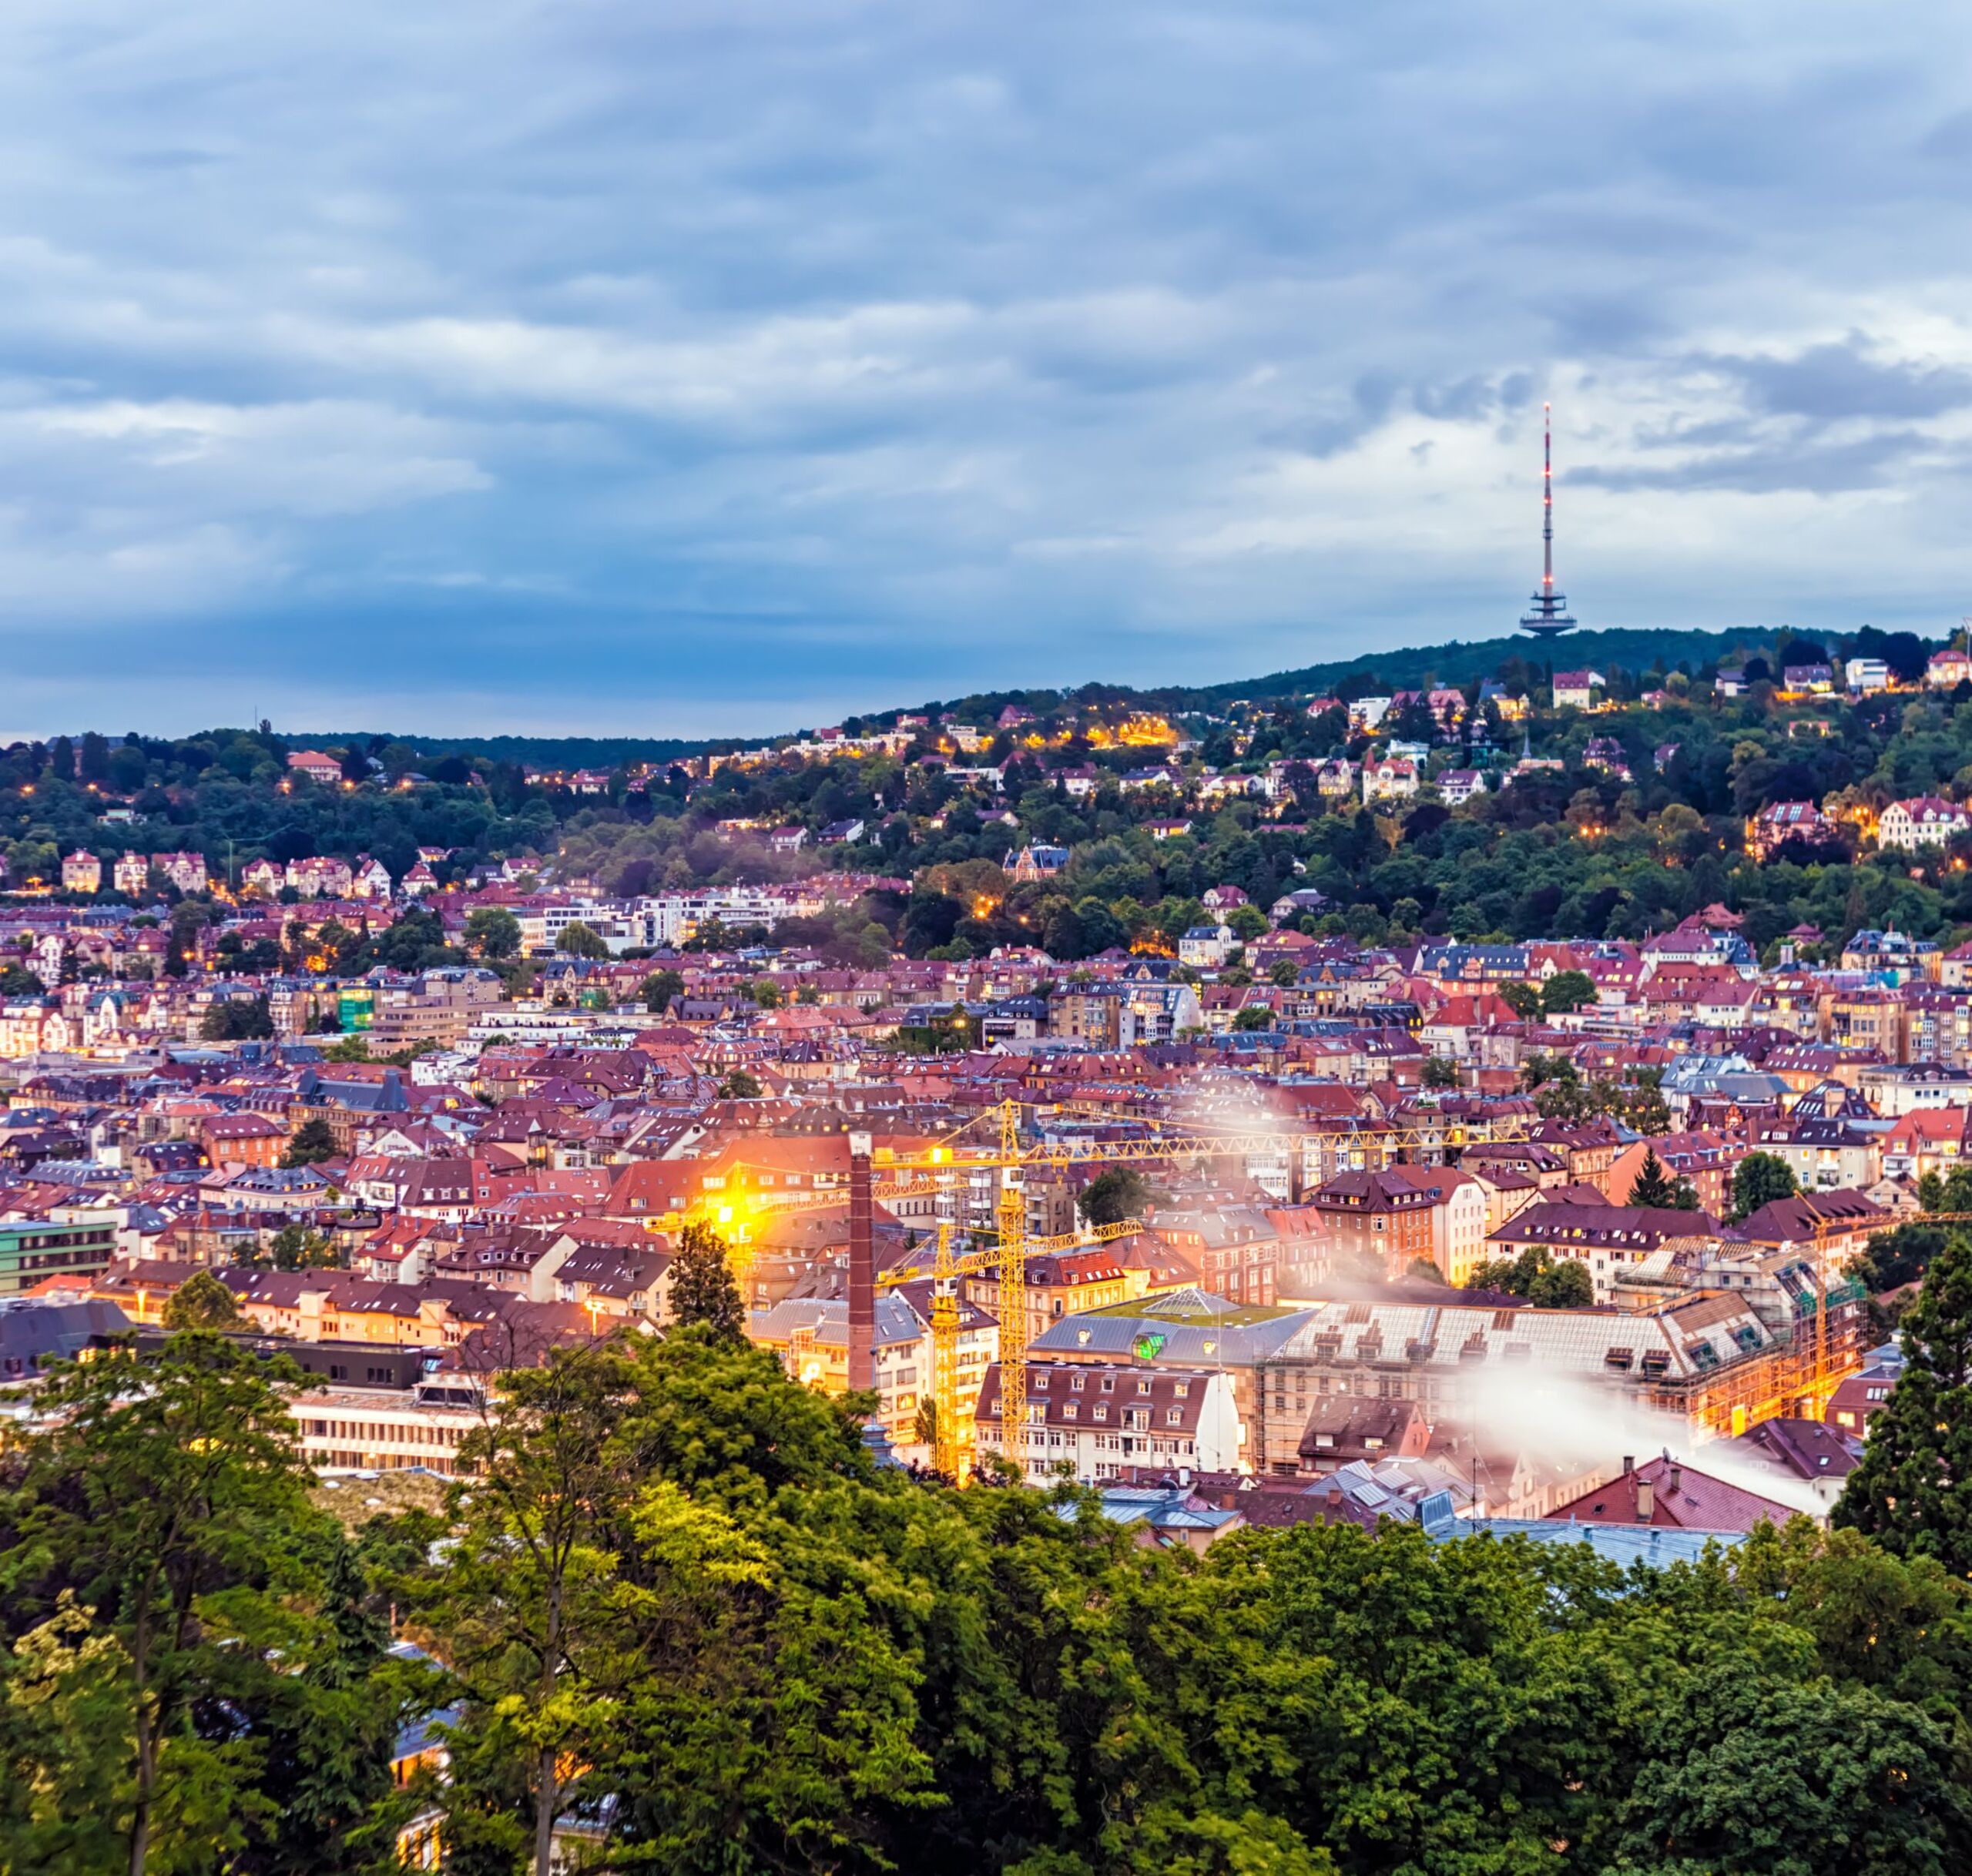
<point>684,1617</point>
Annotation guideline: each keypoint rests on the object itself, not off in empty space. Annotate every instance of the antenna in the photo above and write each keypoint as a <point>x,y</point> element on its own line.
<point>1549,616</point>
<point>1547,499</point>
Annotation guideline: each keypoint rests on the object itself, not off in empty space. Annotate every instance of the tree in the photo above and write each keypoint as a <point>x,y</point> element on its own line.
<point>202,1302</point>
<point>1247,922</point>
<point>702,1289</point>
<point>1652,1186</point>
<point>580,940</point>
<point>232,1019</point>
<point>159,1524</point>
<point>1565,1285</point>
<point>1254,1017</point>
<point>311,1143</point>
<point>739,1086</point>
<point>1283,974</point>
<point>1566,990</point>
<point>295,1248</point>
<point>1522,999</point>
<point>660,989</point>
<point>1122,1192</point>
<point>1912,1492</point>
<point>1758,1179</point>
<point>529,1603</point>
<point>493,932</point>
<point>18,981</point>
<point>1440,1071</point>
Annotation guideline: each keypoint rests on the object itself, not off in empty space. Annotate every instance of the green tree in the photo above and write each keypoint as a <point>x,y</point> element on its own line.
<point>493,932</point>
<point>294,1246</point>
<point>1247,922</point>
<point>233,1019</point>
<point>1912,1492</point>
<point>1809,1779</point>
<point>529,1605</point>
<point>1653,1185</point>
<point>1254,1017</point>
<point>580,940</point>
<point>1122,1192</point>
<point>740,1086</point>
<point>1522,999</point>
<point>1566,990</point>
<point>660,989</point>
<point>159,1524</point>
<point>202,1302</point>
<point>311,1143</point>
<point>1758,1179</point>
<point>1440,1071</point>
<point>702,1289</point>
<point>1563,1285</point>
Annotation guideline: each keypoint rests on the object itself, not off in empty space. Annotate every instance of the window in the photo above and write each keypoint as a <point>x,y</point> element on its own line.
<point>1109,1384</point>
<point>1174,1416</point>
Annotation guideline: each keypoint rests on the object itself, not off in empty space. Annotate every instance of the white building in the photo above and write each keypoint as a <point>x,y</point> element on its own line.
<point>1926,821</point>
<point>1093,1422</point>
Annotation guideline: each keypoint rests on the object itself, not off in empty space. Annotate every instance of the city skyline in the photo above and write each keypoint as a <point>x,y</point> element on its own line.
<point>734,371</point>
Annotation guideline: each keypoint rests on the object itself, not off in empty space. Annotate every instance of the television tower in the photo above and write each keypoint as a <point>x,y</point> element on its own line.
<point>1550,616</point>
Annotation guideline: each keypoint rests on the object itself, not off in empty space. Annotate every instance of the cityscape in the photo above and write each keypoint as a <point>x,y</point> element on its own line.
<point>828,1046</point>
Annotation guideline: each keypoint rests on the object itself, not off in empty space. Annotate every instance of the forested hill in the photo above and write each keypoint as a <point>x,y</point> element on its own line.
<point>1455,662</point>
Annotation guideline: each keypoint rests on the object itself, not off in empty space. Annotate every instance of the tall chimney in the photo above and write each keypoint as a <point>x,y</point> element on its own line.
<point>1646,1501</point>
<point>862,1270</point>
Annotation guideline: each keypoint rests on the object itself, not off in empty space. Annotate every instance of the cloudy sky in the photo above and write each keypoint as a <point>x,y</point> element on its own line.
<point>693,366</point>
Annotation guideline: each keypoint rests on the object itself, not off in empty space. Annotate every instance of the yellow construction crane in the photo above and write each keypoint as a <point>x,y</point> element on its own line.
<point>884,1172</point>
<point>950,1446</point>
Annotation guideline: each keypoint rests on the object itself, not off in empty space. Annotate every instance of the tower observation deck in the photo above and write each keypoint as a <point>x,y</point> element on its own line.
<point>1549,616</point>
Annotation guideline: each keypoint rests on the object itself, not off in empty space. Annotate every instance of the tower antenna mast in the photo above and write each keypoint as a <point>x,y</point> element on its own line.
<point>1549,617</point>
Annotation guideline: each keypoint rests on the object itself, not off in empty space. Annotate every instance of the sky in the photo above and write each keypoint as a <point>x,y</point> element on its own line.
<point>713,366</point>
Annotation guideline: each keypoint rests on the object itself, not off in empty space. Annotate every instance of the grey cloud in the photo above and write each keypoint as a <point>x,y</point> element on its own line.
<point>924,346</point>
<point>1829,382</point>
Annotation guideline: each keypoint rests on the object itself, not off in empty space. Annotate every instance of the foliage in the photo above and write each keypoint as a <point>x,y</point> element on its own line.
<point>677,1598</point>
<point>493,932</point>
<point>580,940</point>
<point>1546,1283</point>
<point>235,1019</point>
<point>202,1302</point>
<point>192,1682</point>
<point>1655,1186</point>
<point>1758,1179</point>
<point>1566,990</point>
<point>660,989</point>
<point>311,1143</point>
<point>739,1086</point>
<point>294,1246</point>
<point>1120,1193</point>
<point>1912,1492</point>
<point>702,1289</point>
